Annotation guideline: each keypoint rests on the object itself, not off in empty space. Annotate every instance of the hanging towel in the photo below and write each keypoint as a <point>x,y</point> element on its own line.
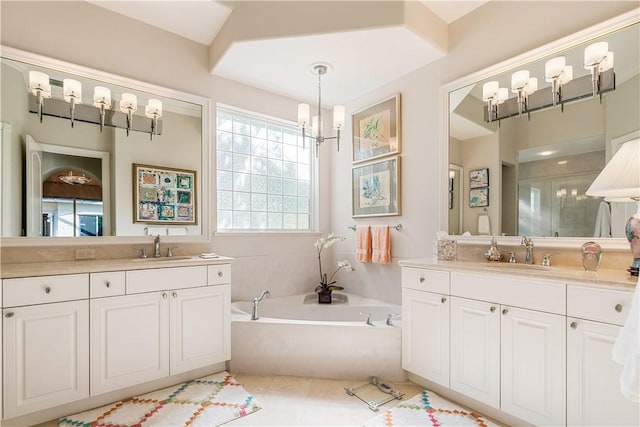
<point>603,221</point>
<point>381,244</point>
<point>363,243</point>
<point>626,351</point>
<point>484,228</point>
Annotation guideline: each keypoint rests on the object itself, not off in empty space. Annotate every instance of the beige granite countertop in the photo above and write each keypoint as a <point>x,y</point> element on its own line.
<point>619,278</point>
<point>91,266</point>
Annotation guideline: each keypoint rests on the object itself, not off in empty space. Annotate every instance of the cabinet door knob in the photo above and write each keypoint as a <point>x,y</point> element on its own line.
<point>618,308</point>
<point>493,308</point>
<point>108,284</point>
<point>47,289</point>
<point>422,279</point>
<point>220,273</point>
<point>505,310</point>
<point>443,300</point>
<point>175,295</point>
<point>8,315</point>
<point>573,325</point>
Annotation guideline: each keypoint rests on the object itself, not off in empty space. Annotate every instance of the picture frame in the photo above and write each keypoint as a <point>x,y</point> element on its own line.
<point>375,188</point>
<point>376,130</point>
<point>164,195</point>
<point>479,178</point>
<point>479,197</point>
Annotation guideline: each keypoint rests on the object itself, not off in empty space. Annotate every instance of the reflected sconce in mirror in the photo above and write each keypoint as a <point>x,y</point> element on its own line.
<point>153,110</point>
<point>72,92</point>
<point>619,181</point>
<point>558,74</point>
<point>40,87</point>
<point>494,96</point>
<point>564,87</point>
<point>102,100</point>
<point>597,59</point>
<point>129,105</point>
<point>98,111</point>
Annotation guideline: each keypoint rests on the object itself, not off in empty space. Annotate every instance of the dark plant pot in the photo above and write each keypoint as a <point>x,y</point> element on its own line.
<point>324,297</point>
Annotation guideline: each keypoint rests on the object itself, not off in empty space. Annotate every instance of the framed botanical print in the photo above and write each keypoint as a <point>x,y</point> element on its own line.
<point>479,197</point>
<point>479,178</point>
<point>376,188</point>
<point>376,130</point>
<point>163,195</point>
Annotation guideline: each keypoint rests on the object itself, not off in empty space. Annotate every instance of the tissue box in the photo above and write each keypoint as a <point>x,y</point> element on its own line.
<point>447,250</point>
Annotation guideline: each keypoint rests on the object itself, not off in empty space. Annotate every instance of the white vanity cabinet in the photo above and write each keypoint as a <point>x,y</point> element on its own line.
<point>170,321</point>
<point>45,322</point>
<point>595,317</point>
<point>425,330</point>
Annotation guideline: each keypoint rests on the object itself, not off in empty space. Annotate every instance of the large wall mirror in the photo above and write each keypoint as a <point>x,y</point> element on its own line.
<point>527,173</point>
<point>67,171</point>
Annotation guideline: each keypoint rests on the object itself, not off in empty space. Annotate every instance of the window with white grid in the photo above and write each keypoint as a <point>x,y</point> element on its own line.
<point>264,177</point>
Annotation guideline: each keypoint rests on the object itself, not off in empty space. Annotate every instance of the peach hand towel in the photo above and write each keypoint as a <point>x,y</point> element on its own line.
<point>363,243</point>
<point>381,244</point>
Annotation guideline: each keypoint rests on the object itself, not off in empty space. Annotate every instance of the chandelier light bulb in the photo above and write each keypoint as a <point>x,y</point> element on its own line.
<point>338,117</point>
<point>303,115</point>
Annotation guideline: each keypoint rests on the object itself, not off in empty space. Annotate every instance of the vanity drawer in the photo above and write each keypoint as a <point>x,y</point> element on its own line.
<point>106,284</point>
<point>603,305</point>
<point>425,280</point>
<point>219,274</point>
<point>44,289</point>
<point>161,279</point>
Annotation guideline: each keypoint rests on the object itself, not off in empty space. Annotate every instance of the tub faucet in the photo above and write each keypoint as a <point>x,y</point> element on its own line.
<point>256,301</point>
<point>528,245</point>
<point>156,246</point>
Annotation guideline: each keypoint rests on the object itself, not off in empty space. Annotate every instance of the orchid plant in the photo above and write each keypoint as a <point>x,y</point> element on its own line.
<point>327,282</point>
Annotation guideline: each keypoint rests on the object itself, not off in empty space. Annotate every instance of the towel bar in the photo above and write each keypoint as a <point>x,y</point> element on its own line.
<point>397,227</point>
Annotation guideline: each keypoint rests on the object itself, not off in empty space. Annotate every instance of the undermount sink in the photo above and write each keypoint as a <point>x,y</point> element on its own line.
<point>161,259</point>
<point>517,266</point>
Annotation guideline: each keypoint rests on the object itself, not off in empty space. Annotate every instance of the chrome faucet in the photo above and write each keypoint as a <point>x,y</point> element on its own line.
<point>156,250</point>
<point>256,301</point>
<point>528,245</point>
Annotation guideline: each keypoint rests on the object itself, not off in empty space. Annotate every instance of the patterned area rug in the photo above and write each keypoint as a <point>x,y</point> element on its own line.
<point>208,401</point>
<point>428,409</point>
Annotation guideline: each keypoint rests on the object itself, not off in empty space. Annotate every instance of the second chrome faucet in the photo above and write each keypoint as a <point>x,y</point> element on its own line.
<point>256,302</point>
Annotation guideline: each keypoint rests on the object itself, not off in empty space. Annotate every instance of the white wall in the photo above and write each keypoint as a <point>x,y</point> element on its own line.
<point>282,262</point>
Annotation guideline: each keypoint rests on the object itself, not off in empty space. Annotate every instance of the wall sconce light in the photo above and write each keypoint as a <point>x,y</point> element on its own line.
<point>597,59</point>
<point>40,87</point>
<point>72,93</point>
<point>523,85</point>
<point>557,73</point>
<point>102,100</point>
<point>129,105</point>
<point>494,95</point>
<point>153,110</point>
<point>316,124</point>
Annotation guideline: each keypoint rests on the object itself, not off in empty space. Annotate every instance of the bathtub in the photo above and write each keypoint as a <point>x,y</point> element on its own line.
<point>297,336</point>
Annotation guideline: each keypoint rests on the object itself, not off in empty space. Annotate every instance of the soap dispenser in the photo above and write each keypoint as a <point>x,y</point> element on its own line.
<point>493,253</point>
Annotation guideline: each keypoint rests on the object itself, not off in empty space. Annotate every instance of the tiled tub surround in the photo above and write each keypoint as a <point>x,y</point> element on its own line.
<point>76,335</point>
<point>523,344</point>
<point>317,340</point>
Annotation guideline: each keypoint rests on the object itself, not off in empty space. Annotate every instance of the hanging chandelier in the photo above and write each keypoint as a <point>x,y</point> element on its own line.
<point>316,122</point>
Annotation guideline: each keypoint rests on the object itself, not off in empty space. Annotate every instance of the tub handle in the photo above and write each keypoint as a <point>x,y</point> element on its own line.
<point>368,315</point>
<point>390,317</point>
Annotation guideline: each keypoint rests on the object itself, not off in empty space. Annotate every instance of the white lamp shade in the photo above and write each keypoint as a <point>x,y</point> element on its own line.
<point>102,96</point>
<point>338,117</point>
<point>39,81</point>
<point>315,127</point>
<point>128,102</point>
<point>303,115</point>
<point>594,53</point>
<point>620,178</point>
<point>553,68</point>
<point>72,91</point>
<point>519,79</point>
<point>503,95</point>
<point>567,74</point>
<point>489,90</point>
<point>153,108</point>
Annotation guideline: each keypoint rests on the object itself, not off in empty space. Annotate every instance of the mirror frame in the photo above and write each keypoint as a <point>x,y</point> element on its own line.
<point>204,201</point>
<point>598,30</point>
